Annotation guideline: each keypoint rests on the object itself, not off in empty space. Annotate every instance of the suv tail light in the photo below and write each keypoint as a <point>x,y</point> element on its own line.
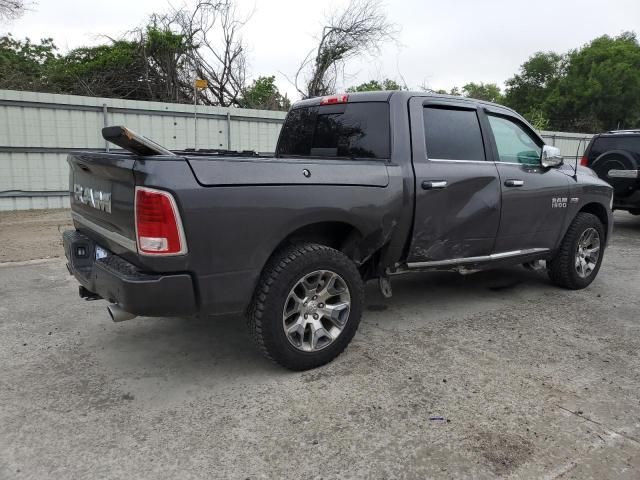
<point>158,225</point>
<point>584,161</point>
<point>333,99</point>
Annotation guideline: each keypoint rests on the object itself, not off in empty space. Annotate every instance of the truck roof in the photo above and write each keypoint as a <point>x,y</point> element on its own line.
<point>385,96</point>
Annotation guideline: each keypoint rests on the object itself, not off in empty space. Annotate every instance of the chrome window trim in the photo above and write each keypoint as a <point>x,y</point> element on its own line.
<point>488,162</point>
<point>113,236</point>
<point>484,258</point>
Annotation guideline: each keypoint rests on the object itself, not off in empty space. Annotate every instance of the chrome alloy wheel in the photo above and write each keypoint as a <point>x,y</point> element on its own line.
<point>587,252</point>
<point>316,310</point>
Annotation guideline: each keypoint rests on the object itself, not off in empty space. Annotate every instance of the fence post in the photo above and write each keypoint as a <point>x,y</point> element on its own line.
<point>105,122</point>
<point>228,129</point>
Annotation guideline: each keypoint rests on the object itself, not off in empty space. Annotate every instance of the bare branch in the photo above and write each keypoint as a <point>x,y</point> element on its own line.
<point>12,9</point>
<point>358,30</point>
<point>218,51</point>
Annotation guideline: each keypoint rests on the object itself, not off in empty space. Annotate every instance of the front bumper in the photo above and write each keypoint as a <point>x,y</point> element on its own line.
<point>121,282</point>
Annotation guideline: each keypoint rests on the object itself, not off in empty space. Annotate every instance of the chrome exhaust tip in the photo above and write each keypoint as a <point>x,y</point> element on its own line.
<point>117,314</point>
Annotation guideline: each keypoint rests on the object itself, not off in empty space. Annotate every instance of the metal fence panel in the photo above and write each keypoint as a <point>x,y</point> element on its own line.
<point>38,130</point>
<point>571,145</point>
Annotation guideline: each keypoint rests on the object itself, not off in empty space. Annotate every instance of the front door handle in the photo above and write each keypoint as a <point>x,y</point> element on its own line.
<point>513,183</point>
<point>434,184</point>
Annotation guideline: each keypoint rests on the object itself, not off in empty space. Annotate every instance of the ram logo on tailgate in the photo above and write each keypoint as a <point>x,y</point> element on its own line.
<point>92,197</point>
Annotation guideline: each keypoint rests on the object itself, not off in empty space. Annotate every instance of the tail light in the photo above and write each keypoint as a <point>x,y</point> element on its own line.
<point>333,99</point>
<point>584,161</point>
<point>158,225</point>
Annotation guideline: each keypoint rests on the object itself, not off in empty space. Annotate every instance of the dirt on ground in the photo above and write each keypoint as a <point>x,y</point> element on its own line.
<point>32,234</point>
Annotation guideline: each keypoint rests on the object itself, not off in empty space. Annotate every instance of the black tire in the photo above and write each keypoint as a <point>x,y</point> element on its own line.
<point>283,271</point>
<point>562,268</point>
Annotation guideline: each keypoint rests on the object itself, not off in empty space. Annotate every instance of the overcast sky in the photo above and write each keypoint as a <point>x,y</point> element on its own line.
<point>441,44</point>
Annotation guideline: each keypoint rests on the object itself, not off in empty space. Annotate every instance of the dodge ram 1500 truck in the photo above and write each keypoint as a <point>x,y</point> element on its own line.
<point>362,186</point>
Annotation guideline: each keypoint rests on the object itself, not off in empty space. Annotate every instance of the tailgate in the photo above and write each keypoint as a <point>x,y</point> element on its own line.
<point>102,190</point>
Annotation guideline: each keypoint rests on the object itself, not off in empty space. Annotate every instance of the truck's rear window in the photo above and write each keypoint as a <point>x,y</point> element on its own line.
<point>601,145</point>
<point>351,130</point>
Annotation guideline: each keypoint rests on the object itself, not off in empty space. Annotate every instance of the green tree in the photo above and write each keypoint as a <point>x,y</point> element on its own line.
<point>375,85</point>
<point>600,89</point>
<point>158,61</point>
<point>455,91</point>
<point>264,94</point>
<point>538,119</point>
<point>114,70</point>
<point>149,68</point>
<point>489,92</point>
<point>23,63</point>
<point>527,91</point>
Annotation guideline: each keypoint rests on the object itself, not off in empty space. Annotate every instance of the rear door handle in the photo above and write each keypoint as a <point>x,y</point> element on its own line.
<point>434,184</point>
<point>513,183</point>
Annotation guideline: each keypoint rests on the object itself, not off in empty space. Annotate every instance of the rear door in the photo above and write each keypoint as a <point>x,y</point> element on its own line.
<point>457,210</point>
<point>534,199</point>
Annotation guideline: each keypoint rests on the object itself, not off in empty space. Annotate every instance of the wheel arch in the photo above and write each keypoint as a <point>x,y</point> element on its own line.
<point>334,234</point>
<point>364,250</point>
<point>599,211</point>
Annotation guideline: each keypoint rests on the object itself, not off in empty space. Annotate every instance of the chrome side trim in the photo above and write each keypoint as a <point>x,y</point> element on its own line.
<point>485,258</point>
<point>519,164</point>
<point>623,173</point>
<point>113,236</point>
<point>444,160</point>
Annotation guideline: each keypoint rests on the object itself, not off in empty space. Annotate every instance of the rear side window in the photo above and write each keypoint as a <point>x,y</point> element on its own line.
<point>351,130</point>
<point>453,134</point>
<point>606,144</point>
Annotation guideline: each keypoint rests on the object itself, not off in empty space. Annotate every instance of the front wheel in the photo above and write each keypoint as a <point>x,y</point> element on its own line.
<point>307,306</point>
<point>579,258</point>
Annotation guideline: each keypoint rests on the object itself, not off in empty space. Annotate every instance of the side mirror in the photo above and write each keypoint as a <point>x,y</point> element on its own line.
<point>551,157</point>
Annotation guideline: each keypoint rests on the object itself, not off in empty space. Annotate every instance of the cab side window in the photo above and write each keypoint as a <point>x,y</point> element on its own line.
<point>452,134</point>
<point>514,143</point>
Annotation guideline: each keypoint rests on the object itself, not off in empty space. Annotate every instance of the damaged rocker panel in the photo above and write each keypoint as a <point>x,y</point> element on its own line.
<point>479,259</point>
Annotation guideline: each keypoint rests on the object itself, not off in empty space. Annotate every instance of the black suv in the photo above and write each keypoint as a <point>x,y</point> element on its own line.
<point>615,157</point>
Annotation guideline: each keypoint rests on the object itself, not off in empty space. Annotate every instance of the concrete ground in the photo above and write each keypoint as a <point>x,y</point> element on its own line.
<point>531,381</point>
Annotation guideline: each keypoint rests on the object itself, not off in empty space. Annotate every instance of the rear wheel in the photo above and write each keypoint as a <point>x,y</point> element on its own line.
<point>579,258</point>
<point>307,306</point>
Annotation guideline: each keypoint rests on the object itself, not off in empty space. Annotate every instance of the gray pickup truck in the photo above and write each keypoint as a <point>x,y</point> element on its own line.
<point>362,186</point>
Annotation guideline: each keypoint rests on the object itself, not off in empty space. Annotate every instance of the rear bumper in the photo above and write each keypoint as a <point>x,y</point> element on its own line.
<point>626,203</point>
<point>119,281</point>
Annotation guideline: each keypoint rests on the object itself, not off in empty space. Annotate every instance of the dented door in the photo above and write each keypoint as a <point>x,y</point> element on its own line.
<point>457,205</point>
